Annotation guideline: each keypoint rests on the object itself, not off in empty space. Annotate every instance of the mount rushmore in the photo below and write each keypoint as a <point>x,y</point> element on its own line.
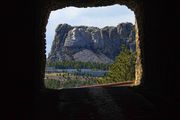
<point>91,44</point>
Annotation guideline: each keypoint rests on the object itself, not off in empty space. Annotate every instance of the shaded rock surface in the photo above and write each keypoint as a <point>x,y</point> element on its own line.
<point>91,44</point>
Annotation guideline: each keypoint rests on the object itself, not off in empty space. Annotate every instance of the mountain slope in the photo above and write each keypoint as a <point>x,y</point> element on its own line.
<point>91,44</point>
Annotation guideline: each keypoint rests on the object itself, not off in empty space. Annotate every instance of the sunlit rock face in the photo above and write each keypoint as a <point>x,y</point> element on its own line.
<point>91,44</point>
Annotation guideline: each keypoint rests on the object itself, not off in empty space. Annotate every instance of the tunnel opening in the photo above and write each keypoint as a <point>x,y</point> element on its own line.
<point>73,64</point>
<point>135,6</point>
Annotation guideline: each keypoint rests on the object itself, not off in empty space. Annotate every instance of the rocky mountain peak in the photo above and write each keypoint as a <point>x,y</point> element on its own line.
<point>83,43</point>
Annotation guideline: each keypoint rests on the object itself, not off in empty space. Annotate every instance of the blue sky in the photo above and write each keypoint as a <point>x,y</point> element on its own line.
<point>90,16</point>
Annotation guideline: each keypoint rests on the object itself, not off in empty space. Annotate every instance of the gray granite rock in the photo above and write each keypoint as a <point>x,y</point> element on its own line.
<point>91,44</point>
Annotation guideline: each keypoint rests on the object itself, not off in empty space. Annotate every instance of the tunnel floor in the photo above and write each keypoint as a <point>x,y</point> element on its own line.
<point>115,103</point>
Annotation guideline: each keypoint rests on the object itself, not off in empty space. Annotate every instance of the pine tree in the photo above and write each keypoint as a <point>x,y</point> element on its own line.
<point>123,69</point>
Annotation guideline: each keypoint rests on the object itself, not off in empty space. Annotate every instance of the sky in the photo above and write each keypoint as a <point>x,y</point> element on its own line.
<point>90,16</point>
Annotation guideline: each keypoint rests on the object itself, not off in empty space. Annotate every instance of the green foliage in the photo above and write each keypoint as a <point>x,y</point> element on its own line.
<point>123,69</point>
<point>78,83</point>
<point>78,65</point>
<point>55,84</point>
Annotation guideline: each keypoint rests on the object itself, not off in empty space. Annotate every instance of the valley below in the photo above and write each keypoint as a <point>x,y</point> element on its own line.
<point>85,56</point>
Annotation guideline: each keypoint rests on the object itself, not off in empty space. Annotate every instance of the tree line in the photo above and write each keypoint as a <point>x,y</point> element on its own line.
<point>123,68</point>
<point>78,65</point>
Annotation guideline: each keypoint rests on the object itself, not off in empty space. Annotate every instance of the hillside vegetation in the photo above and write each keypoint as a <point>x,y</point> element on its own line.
<point>123,69</point>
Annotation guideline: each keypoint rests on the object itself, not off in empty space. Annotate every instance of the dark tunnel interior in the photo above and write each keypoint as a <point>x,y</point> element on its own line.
<point>157,97</point>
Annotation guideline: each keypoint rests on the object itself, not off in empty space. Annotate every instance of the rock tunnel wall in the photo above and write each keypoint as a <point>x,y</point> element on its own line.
<point>158,37</point>
<point>158,25</point>
<point>157,54</point>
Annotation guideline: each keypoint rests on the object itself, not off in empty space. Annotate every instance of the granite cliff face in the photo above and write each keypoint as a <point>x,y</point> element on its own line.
<point>82,43</point>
